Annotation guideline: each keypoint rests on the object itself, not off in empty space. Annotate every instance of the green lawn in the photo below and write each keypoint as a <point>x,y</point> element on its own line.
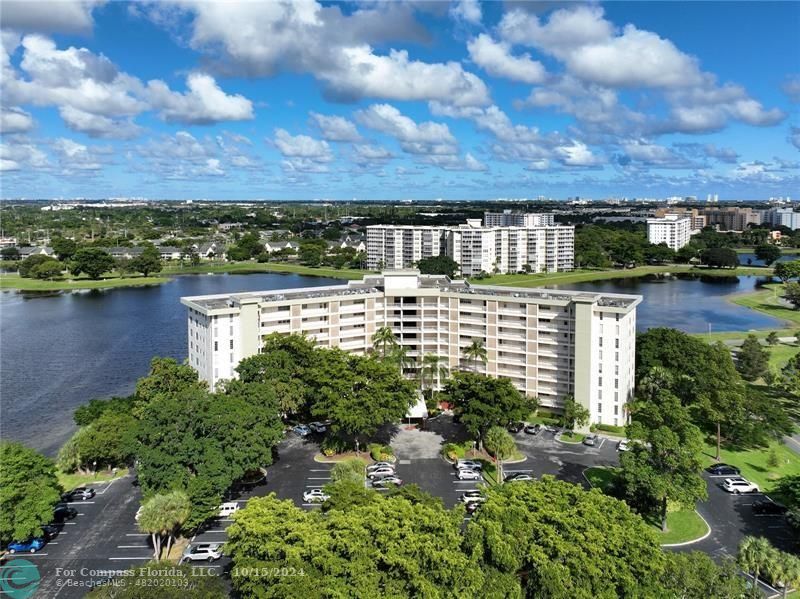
<point>781,353</point>
<point>584,275</point>
<point>601,478</point>
<point>784,251</point>
<point>753,462</point>
<point>740,335</point>
<point>13,281</point>
<point>70,481</point>
<point>258,267</point>
<point>571,437</point>
<point>766,301</point>
<point>682,526</point>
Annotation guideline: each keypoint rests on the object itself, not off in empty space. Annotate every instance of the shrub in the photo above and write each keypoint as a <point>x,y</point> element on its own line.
<point>333,444</point>
<point>380,453</point>
<point>349,470</point>
<point>610,428</point>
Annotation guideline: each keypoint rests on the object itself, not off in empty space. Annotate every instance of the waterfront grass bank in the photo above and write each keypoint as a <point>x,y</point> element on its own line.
<point>14,281</point>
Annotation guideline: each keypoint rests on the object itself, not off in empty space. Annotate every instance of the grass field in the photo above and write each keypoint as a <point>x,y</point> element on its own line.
<point>737,335</point>
<point>600,478</point>
<point>767,301</point>
<point>682,526</point>
<point>257,267</point>
<point>70,481</point>
<point>12,281</point>
<point>571,437</point>
<point>584,275</point>
<point>780,354</point>
<point>754,462</point>
<point>785,251</point>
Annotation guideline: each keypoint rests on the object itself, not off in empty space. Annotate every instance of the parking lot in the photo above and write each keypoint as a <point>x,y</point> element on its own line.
<point>104,538</point>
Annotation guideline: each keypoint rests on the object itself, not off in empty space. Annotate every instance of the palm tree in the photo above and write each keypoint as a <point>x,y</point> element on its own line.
<point>162,516</point>
<point>754,556</point>
<point>475,351</point>
<point>432,370</point>
<point>656,379</point>
<point>400,356</point>
<point>385,339</point>
<point>789,571</point>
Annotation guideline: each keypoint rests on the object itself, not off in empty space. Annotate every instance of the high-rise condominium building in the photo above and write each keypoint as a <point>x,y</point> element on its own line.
<point>782,217</point>
<point>550,344</point>
<point>510,218</point>
<point>732,219</point>
<point>476,248</point>
<point>674,230</point>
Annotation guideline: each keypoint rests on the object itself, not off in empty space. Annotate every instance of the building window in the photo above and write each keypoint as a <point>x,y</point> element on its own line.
<point>616,396</point>
<point>601,316</point>
<point>600,341</point>
<point>231,344</point>
<point>616,343</point>
<point>600,381</point>
<point>616,410</point>
<point>599,408</point>
<point>599,394</point>
<point>616,383</point>
<point>216,346</point>
<point>617,315</point>
<point>231,358</point>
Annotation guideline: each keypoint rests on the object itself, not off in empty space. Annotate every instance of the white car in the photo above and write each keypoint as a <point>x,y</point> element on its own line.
<point>471,464</point>
<point>469,474</point>
<point>203,552</point>
<point>624,445</point>
<point>315,496</point>
<point>228,509</point>
<point>471,496</point>
<point>739,485</point>
<point>380,472</point>
<point>377,465</point>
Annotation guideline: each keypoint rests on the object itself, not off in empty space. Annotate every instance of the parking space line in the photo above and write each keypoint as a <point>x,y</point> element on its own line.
<point>108,486</point>
<point>319,478</point>
<point>311,504</point>
<point>131,557</point>
<point>137,534</point>
<point>321,470</point>
<point>133,547</point>
<point>79,502</point>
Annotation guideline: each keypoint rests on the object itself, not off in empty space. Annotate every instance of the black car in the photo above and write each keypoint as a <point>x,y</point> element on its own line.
<point>50,531</point>
<point>79,494</point>
<point>533,429</point>
<point>516,427</point>
<point>768,507</point>
<point>723,470</point>
<point>64,512</point>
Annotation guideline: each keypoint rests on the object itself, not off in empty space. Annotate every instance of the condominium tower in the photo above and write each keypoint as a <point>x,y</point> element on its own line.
<point>509,218</point>
<point>550,344</point>
<point>674,230</point>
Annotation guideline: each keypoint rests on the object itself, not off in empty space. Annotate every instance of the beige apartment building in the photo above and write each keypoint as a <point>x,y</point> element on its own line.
<point>548,343</point>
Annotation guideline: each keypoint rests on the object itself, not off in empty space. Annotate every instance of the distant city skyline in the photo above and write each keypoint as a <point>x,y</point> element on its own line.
<point>399,101</point>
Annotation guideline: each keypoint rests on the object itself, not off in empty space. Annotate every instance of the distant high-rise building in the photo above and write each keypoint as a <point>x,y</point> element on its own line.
<point>732,219</point>
<point>508,218</point>
<point>675,230</point>
<point>782,217</point>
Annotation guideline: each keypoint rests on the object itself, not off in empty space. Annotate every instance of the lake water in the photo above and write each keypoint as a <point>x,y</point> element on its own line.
<point>743,259</point>
<point>59,351</point>
<point>688,303</point>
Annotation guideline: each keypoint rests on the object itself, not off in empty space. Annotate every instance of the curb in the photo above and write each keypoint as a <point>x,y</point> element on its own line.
<point>693,541</point>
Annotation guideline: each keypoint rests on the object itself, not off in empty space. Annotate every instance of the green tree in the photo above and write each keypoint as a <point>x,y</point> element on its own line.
<point>753,556</point>
<point>162,517</point>
<point>772,338</point>
<point>433,371</point>
<point>789,378</point>
<point>47,270</point>
<point>501,445</point>
<point>312,252</point>
<point>767,253</point>
<point>787,270</point>
<point>785,568</point>
<point>438,265</point>
<point>791,293</point>
<point>9,253</point>
<point>351,470</point>
<point>666,466</point>
<point>28,491</point>
<point>481,402</point>
<point>384,547</point>
<point>384,339</point>
<point>752,359</point>
<point>555,535</point>
<point>659,254</point>
<point>175,582</point>
<point>110,440</point>
<point>573,414</point>
<point>64,248</point>
<point>720,258</point>
<point>149,261</point>
<point>695,574</point>
<point>91,411</point>
<point>475,352</point>
<point>91,261</point>
<point>358,393</point>
<point>166,377</point>
<point>27,267</point>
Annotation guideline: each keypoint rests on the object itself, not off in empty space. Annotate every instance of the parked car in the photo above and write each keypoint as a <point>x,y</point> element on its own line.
<point>516,427</point>
<point>469,474</point>
<point>739,485</point>
<point>50,531</point>
<point>590,440</point>
<point>723,470</point>
<point>768,507</point>
<point>518,476</point>
<point>551,428</point>
<point>63,512</point>
<point>380,472</point>
<point>203,552</point>
<point>472,506</point>
<point>302,430</point>
<point>29,546</point>
<point>79,494</point>
<point>318,427</point>
<point>471,496</point>
<point>227,509</point>
<point>315,496</point>
<point>377,465</point>
<point>386,482</point>
<point>533,429</point>
<point>471,464</point>
<point>623,445</point>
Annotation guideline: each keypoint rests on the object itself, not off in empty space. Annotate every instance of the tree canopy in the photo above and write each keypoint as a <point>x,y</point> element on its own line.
<point>767,253</point>
<point>438,265</point>
<point>752,359</point>
<point>28,491</point>
<point>91,261</point>
<point>149,261</point>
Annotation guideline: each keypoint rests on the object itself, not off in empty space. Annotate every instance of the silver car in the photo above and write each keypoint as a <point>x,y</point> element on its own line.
<point>203,552</point>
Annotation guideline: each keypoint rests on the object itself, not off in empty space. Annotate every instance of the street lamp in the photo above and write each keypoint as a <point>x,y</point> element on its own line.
<point>94,467</point>
<point>357,447</point>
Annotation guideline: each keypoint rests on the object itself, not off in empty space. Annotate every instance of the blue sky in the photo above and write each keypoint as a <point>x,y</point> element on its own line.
<point>403,100</point>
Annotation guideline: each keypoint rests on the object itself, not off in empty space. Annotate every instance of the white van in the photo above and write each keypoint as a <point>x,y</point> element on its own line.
<point>226,509</point>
